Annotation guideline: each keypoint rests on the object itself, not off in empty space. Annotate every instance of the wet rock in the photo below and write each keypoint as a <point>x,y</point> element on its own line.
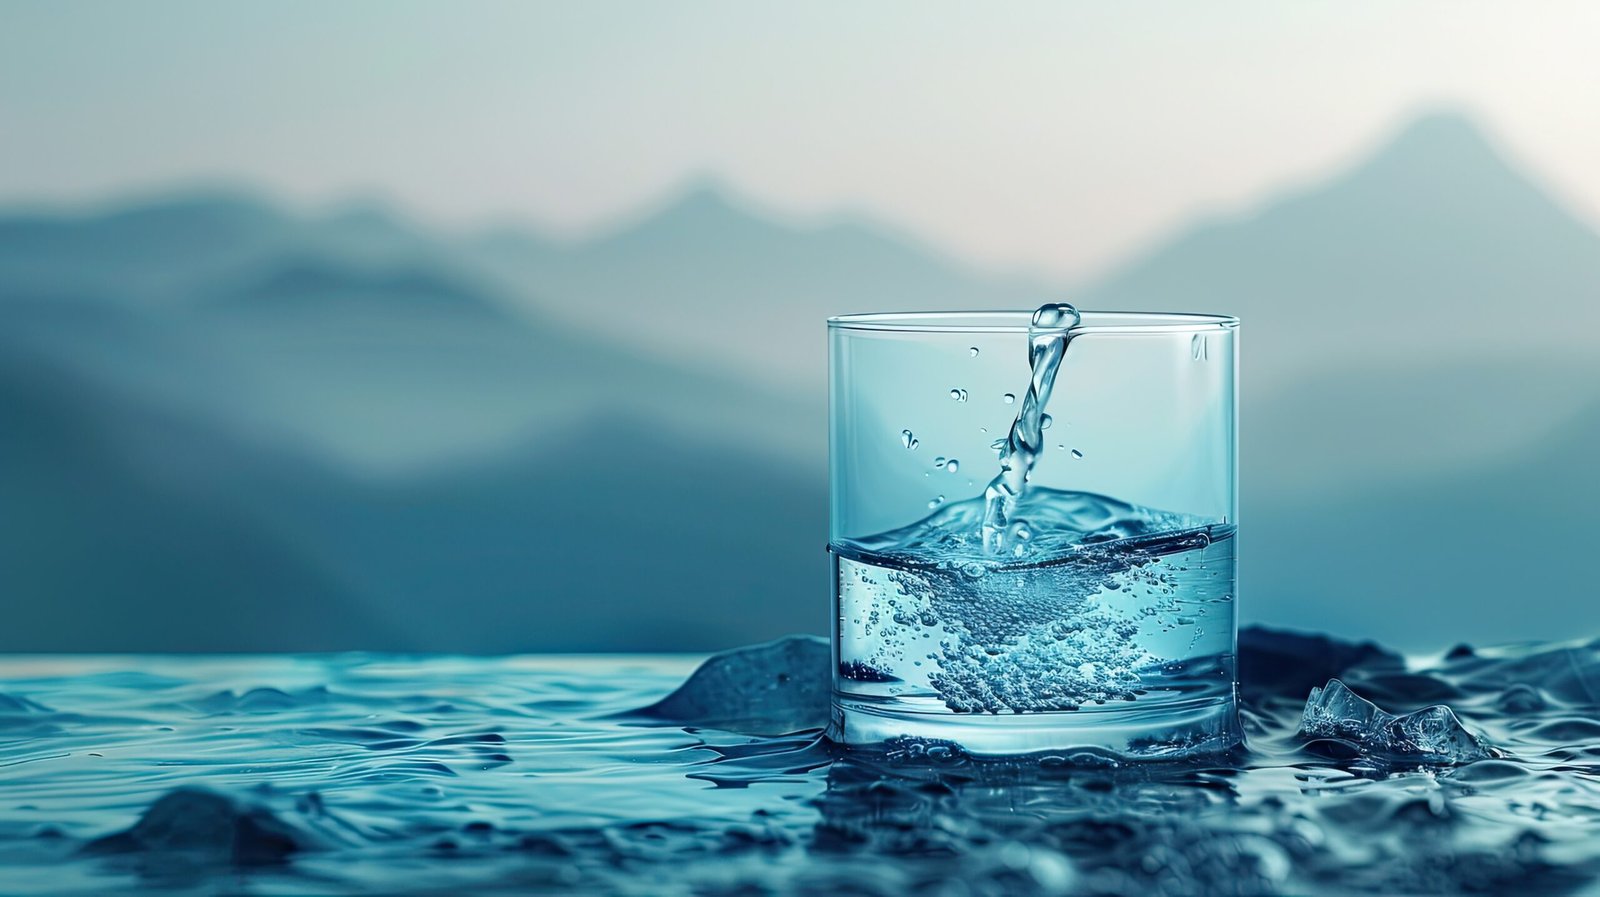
<point>772,688</point>
<point>1276,663</point>
<point>1431,735</point>
<point>207,827</point>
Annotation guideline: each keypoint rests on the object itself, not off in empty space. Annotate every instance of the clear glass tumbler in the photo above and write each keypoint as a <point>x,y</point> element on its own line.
<point>1094,607</point>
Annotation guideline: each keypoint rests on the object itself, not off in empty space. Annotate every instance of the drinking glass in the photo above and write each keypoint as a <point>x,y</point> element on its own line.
<point>1102,615</point>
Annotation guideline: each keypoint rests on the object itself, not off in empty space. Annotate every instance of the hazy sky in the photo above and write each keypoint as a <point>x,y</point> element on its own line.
<point>1052,135</point>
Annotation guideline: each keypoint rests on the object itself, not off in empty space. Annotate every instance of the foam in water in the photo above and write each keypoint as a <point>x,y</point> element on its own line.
<point>1095,602</point>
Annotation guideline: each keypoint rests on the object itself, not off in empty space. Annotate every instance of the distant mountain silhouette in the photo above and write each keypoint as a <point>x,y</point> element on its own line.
<point>616,537</point>
<point>344,430</point>
<point>1432,246</point>
<point>710,277</point>
<point>321,285</point>
<point>389,367</point>
<point>1383,423</point>
<point>148,250</point>
<point>162,250</point>
<point>136,530</point>
<point>1501,553</point>
<point>131,530</point>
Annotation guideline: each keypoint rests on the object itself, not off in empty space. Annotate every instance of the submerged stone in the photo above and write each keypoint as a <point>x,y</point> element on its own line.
<point>1430,735</point>
<point>772,688</point>
<point>209,827</point>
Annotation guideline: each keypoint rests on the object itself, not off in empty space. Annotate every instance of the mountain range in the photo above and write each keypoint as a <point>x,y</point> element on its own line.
<point>232,426</point>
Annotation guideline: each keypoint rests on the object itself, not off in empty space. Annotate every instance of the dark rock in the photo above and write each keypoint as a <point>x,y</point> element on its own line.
<point>1277,663</point>
<point>208,827</point>
<point>772,688</point>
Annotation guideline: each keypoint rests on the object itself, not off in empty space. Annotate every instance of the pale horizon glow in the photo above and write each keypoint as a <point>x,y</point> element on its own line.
<point>1041,136</point>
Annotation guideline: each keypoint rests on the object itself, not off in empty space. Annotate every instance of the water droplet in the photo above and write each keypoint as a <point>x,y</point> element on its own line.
<point>908,440</point>
<point>1077,454</point>
<point>1010,398</point>
<point>960,395</point>
<point>983,429</point>
<point>1045,421</point>
<point>974,351</point>
<point>952,465</point>
<point>939,461</point>
<point>936,502</point>
<point>998,445</point>
<point>1056,316</point>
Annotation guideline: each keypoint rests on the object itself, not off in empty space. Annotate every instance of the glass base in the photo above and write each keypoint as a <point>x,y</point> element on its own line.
<point>1171,731</point>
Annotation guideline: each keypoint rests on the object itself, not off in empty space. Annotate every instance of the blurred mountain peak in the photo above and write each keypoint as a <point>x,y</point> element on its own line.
<point>225,202</point>
<point>706,200</point>
<point>313,282</point>
<point>366,211</point>
<point>1441,125</point>
<point>1435,231</point>
<point>1438,144</point>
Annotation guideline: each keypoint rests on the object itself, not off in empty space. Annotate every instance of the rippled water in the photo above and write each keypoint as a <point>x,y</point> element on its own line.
<point>529,775</point>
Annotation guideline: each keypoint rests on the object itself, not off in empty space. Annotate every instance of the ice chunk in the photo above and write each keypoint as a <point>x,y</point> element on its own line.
<point>767,689</point>
<point>208,827</point>
<point>1430,735</point>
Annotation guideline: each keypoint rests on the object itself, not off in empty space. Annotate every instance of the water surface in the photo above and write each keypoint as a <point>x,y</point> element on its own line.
<point>445,775</point>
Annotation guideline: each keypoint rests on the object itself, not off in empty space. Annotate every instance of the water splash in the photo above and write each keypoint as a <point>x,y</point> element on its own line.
<point>1048,335</point>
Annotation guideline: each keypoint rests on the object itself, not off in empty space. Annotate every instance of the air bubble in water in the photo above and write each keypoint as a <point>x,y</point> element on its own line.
<point>960,395</point>
<point>908,440</point>
<point>1077,454</point>
<point>1010,398</point>
<point>952,465</point>
<point>1045,421</point>
<point>974,351</point>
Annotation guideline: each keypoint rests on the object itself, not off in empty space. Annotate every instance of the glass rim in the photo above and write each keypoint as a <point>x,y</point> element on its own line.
<point>1017,321</point>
